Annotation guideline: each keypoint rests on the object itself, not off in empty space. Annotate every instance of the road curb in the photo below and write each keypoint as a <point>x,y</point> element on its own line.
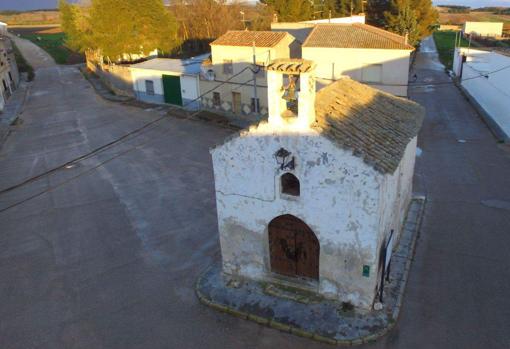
<point>291,328</point>
<point>486,117</point>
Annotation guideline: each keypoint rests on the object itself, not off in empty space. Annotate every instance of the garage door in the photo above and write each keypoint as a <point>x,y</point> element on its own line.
<point>172,89</point>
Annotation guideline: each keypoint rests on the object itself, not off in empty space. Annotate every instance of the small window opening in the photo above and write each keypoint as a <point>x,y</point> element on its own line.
<point>149,87</point>
<point>290,184</point>
<point>255,105</point>
<point>216,99</point>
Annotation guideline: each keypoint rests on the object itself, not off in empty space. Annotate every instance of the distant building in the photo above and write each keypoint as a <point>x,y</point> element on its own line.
<point>171,81</point>
<point>348,47</point>
<point>484,75</point>
<point>3,28</point>
<point>364,53</point>
<point>301,30</point>
<point>227,78</point>
<point>492,29</point>
<point>312,196</point>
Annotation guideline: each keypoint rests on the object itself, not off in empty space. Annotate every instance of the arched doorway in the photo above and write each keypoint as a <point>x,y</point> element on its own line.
<point>293,247</point>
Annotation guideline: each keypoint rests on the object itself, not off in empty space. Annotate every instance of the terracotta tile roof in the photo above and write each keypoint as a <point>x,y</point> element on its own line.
<point>355,35</point>
<point>291,65</point>
<point>375,125</point>
<point>246,38</point>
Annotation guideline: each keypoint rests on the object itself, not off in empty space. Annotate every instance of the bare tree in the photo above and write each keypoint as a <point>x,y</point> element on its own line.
<point>201,21</point>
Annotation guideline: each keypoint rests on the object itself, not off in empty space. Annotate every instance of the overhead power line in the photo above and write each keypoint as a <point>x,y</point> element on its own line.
<point>102,163</point>
<point>439,83</point>
<point>130,135</point>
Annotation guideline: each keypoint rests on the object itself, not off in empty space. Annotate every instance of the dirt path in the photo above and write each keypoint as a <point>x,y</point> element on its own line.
<point>35,56</point>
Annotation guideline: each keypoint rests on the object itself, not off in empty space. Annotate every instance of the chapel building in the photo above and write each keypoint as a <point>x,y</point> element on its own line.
<point>312,195</point>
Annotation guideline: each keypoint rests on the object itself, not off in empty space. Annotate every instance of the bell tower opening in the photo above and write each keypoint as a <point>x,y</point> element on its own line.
<point>290,95</point>
<point>291,92</point>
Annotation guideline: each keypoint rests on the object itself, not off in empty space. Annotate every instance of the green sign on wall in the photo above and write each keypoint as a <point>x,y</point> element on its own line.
<point>366,270</point>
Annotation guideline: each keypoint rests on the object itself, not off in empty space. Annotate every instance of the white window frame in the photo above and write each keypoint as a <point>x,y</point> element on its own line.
<point>149,91</point>
<point>365,73</point>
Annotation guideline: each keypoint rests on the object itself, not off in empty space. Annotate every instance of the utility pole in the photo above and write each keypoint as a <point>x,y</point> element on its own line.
<point>255,96</point>
<point>243,20</point>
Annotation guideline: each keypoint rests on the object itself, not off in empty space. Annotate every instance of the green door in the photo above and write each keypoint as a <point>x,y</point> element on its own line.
<point>172,89</point>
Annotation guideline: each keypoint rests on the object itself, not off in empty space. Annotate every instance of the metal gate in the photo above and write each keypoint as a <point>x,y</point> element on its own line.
<point>293,247</point>
<point>172,89</point>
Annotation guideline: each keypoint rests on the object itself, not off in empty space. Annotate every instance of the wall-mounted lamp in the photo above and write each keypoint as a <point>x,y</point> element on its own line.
<point>282,159</point>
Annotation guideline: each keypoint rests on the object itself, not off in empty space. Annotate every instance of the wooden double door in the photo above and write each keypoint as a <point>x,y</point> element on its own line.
<point>293,247</point>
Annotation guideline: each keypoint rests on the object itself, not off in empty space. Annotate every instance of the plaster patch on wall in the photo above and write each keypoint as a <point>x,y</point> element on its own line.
<point>341,200</point>
<point>242,250</point>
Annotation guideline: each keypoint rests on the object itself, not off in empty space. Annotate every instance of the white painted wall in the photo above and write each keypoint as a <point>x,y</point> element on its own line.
<point>483,28</point>
<point>3,28</point>
<point>350,206</point>
<point>491,91</point>
<point>190,88</point>
<point>339,201</point>
<point>242,57</point>
<point>332,63</point>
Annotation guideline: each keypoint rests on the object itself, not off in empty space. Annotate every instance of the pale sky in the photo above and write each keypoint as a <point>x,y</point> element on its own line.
<point>39,4</point>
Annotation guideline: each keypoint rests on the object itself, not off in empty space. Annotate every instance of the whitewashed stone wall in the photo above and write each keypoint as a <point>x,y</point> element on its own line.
<point>343,200</point>
<point>349,206</point>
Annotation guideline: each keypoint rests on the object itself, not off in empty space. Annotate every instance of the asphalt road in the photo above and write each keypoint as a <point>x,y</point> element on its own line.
<point>109,259</point>
<point>35,56</point>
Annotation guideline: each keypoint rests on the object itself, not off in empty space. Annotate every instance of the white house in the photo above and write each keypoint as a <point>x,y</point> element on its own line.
<point>172,81</point>
<point>227,82</point>
<point>364,53</point>
<point>485,76</point>
<point>311,198</point>
<point>301,30</point>
<point>3,28</point>
<point>494,29</point>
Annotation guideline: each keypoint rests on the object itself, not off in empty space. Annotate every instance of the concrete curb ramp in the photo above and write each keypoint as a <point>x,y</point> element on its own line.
<point>324,320</point>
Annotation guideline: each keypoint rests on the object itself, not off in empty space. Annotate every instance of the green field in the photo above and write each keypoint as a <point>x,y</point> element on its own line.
<point>51,43</point>
<point>52,40</point>
<point>445,43</point>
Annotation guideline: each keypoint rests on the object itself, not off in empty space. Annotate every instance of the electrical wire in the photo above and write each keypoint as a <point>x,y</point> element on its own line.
<point>428,84</point>
<point>51,188</point>
<point>135,133</point>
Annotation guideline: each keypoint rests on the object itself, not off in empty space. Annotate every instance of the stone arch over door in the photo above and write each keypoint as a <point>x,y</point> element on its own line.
<point>293,247</point>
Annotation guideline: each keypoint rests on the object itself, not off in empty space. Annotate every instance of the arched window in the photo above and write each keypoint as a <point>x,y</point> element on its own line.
<point>290,184</point>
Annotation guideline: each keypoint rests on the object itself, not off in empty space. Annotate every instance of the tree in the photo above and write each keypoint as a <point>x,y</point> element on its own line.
<point>119,28</point>
<point>291,10</point>
<point>375,12</point>
<point>413,17</point>
<point>74,25</point>
<point>201,21</point>
<point>402,20</point>
<point>426,16</point>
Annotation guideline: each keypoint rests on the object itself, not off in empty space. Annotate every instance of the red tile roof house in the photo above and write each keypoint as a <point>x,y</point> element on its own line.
<point>229,74</point>
<point>364,53</point>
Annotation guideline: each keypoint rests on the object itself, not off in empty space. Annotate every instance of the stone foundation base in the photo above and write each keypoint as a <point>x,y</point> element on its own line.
<point>307,314</point>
